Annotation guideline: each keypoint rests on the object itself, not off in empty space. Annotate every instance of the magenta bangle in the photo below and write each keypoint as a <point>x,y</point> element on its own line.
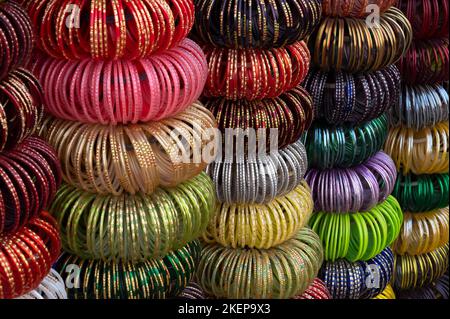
<point>122,91</point>
<point>355,189</point>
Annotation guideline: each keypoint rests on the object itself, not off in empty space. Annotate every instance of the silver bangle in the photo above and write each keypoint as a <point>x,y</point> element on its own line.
<point>52,287</point>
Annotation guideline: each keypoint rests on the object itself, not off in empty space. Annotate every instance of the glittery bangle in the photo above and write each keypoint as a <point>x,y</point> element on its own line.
<point>193,291</point>
<point>52,287</point>
<point>354,8</point>
<point>438,289</point>
<point>386,294</point>
<point>316,291</point>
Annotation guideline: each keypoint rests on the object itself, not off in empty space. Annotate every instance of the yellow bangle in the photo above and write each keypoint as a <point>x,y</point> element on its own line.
<point>387,293</point>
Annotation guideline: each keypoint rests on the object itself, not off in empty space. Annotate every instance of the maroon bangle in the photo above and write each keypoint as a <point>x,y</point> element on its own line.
<point>317,290</point>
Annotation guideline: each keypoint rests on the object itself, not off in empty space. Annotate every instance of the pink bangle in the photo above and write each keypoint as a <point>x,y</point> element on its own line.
<point>122,91</point>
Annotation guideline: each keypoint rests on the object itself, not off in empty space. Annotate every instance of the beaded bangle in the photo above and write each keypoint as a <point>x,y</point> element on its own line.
<point>281,272</point>
<point>358,236</point>
<point>429,18</point>
<point>387,293</point>
<point>420,106</point>
<point>193,291</point>
<point>359,280</point>
<point>344,146</point>
<point>422,233</point>
<point>255,74</point>
<point>150,279</point>
<point>261,226</point>
<point>419,152</point>
<point>21,108</point>
<point>97,92</point>
<point>133,227</point>
<point>117,159</point>
<point>109,29</point>
<point>265,178</point>
<point>359,188</point>
<point>351,45</point>
<point>421,270</point>
<point>354,8</point>
<point>27,255</point>
<point>52,287</point>
<point>16,37</point>
<point>436,290</point>
<point>421,193</point>
<point>341,97</point>
<point>29,176</point>
<point>426,62</point>
<point>261,24</point>
<point>317,290</point>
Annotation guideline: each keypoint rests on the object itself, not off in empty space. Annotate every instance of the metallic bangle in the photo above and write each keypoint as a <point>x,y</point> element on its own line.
<point>193,291</point>
<point>353,8</point>
<point>438,289</point>
<point>317,290</point>
<point>359,188</point>
<point>281,272</point>
<point>387,294</point>
<point>52,287</point>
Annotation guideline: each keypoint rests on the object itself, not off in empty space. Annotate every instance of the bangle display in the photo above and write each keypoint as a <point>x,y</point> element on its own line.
<point>317,290</point>
<point>30,174</point>
<point>420,106</point>
<point>344,146</point>
<point>21,108</point>
<point>16,37</point>
<point>117,159</point>
<point>421,270</point>
<point>123,91</point>
<point>422,193</point>
<point>341,97</point>
<point>387,293</point>
<point>255,74</point>
<point>133,227</point>
<point>419,152</point>
<point>265,178</point>
<point>358,236</point>
<point>422,233</point>
<point>261,226</point>
<point>354,8</point>
<point>346,280</point>
<point>359,188</point>
<point>27,256</point>
<point>351,45</point>
<point>109,30</point>
<point>52,287</point>
<point>436,290</point>
<point>193,291</point>
<point>150,279</point>
<point>263,24</point>
<point>281,272</point>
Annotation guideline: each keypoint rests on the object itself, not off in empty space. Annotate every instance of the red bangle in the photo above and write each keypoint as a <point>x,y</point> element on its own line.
<point>317,290</point>
<point>352,8</point>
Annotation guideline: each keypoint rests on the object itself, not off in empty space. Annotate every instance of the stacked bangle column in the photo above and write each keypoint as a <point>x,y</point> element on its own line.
<point>121,85</point>
<point>257,245</point>
<point>353,83</point>
<point>418,143</point>
<point>29,169</point>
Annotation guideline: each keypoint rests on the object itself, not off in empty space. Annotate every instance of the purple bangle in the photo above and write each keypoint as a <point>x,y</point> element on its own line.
<point>355,189</point>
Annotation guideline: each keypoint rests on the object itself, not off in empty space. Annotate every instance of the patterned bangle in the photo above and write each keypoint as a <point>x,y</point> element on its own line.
<point>52,287</point>
<point>419,152</point>
<point>346,280</point>
<point>341,97</point>
<point>193,291</point>
<point>317,290</point>
<point>345,146</point>
<point>438,289</point>
<point>245,24</point>
<point>281,272</point>
<point>355,189</point>
<point>422,193</point>
<point>387,293</point>
<point>358,236</point>
<point>354,8</point>
<point>151,279</point>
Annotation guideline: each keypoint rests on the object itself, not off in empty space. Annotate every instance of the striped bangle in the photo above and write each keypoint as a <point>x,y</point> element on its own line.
<point>317,290</point>
<point>52,287</point>
<point>387,293</point>
<point>438,289</point>
<point>354,8</point>
<point>193,291</point>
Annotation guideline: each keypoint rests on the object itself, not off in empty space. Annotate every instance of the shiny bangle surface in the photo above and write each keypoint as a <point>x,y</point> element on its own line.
<point>193,291</point>
<point>317,290</point>
<point>387,294</point>
<point>354,8</point>
<point>52,287</point>
<point>438,289</point>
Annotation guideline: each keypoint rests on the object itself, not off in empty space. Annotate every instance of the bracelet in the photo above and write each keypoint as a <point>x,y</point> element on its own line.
<point>281,272</point>
<point>422,193</point>
<point>261,226</point>
<point>265,178</point>
<point>139,158</point>
<point>21,108</point>
<point>122,91</point>
<point>262,24</point>
<point>429,18</point>
<point>422,233</point>
<point>193,291</point>
<point>436,290</point>
<point>26,256</point>
<point>16,37</point>
<point>150,279</point>
<point>52,287</point>
<point>387,293</point>
<point>355,189</point>
<point>420,152</point>
<point>30,175</point>
<point>109,30</point>
<point>358,236</point>
<point>420,106</point>
<point>255,74</point>
<point>358,280</point>
<point>341,97</point>
<point>354,8</point>
<point>352,45</point>
<point>421,270</point>
<point>133,227</point>
<point>426,62</point>
<point>317,290</point>
<point>344,146</point>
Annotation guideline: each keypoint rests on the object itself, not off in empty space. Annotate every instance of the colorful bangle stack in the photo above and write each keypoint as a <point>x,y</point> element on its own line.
<point>438,289</point>
<point>387,293</point>
<point>52,287</point>
<point>316,291</point>
<point>354,8</point>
